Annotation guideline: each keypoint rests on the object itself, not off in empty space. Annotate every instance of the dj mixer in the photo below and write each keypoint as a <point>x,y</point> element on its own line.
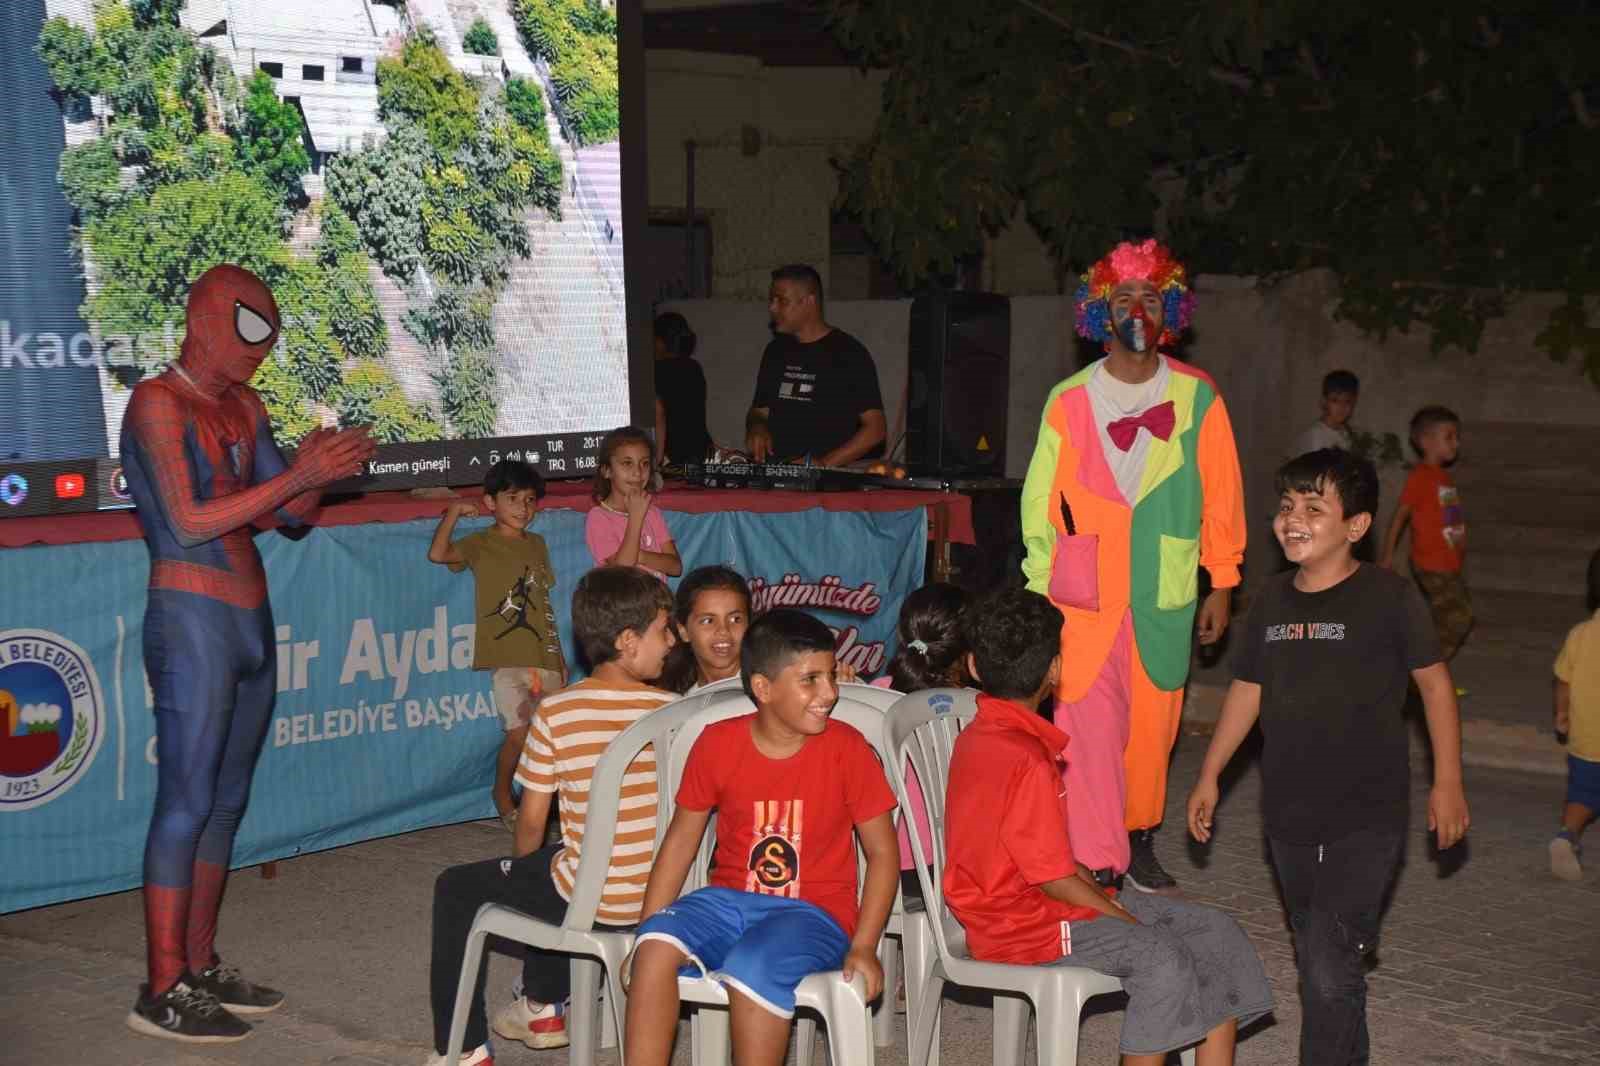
<point>798,477</point>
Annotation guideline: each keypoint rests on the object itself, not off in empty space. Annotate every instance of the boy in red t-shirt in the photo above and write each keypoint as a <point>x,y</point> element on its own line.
<point>788,785</point>
<point>1191,974</point>
<point>1431,503</point>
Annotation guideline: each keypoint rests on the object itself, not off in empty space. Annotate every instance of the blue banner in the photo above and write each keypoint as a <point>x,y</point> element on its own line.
<point>380,726</point>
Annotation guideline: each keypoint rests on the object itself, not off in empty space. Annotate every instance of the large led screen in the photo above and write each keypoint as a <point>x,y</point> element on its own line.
<point>431,188</point>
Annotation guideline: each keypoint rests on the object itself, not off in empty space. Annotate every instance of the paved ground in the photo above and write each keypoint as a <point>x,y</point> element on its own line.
<point>1483,960</point>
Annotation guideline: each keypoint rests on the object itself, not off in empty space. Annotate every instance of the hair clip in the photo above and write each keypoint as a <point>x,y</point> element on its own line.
<point>918,646</point>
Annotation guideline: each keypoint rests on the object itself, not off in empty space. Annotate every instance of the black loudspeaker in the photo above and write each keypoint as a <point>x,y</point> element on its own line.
<point>959,382</point>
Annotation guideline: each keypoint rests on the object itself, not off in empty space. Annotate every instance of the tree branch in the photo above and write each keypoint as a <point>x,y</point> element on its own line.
<point>1227,77</point>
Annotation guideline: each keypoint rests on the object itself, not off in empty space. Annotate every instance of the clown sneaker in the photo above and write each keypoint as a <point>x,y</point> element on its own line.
<point>538,1025</point>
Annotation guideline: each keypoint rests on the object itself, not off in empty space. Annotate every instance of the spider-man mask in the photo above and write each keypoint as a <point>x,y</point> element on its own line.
<point>232,323</point>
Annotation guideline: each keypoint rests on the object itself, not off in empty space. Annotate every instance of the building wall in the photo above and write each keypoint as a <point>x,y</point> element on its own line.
<point>765,141</point>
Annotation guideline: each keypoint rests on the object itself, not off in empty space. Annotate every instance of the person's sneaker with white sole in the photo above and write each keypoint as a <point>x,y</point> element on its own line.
<point>1564,859</point>
<point>542,1026</point>
<point>479,1056</point>
<point>234,992</point>
<point>185,1013</point>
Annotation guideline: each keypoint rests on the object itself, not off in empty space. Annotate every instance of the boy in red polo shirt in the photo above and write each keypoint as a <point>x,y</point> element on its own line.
<point>1191,974</point>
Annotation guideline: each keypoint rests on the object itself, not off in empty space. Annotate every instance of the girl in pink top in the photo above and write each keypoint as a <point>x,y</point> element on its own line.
<point>625,527</point>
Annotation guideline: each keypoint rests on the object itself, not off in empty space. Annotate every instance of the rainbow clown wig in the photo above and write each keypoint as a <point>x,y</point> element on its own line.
<point>1146,261</point>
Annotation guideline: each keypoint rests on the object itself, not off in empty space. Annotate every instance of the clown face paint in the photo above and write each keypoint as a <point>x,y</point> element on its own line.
<point>1135,330</point>
<point>1136,315</point>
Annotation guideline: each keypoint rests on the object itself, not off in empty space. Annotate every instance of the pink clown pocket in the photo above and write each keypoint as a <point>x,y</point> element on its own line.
<point>1075,572</point>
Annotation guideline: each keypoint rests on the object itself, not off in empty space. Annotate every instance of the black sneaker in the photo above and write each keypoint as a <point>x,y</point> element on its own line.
<point>185,1013</point>
<point>235,993</point>
<point>1145,871</point>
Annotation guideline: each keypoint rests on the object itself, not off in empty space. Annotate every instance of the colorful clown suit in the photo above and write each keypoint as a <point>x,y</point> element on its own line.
<point>205,474</point>
<point>1132,487</point>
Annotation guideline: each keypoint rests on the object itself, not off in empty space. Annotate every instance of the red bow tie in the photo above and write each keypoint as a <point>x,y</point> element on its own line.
<point>1159,420</point>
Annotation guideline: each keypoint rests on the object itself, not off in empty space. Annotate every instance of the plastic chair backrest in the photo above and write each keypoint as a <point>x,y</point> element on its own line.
<point>605,795</point>
<point>923,727</point>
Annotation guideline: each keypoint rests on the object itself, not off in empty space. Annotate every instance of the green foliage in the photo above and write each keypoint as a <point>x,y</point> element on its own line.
<point>380,188</point>
<point>155,12</point>
<point>421,86</point>
<point>289,409</point>
<point>68,54</point>
<point>271,139</point>
<point>206,158</point>
<point>91,179</point>
<point>578,38</point>
<point>354,314</point>
<point>480,39</point>
<point>1568,331</point>
<point>369,396</point>
<point>337,236</point>
<point>1437,159</point>
<point>207,195</point>
<point>149,250</point>
<point>308,343</point>
<point>456,317</point>
<point>525,103</point>
<point>467,393</point>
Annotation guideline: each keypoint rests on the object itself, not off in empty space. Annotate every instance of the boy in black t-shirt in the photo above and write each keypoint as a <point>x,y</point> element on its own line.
<point>1324,662</point>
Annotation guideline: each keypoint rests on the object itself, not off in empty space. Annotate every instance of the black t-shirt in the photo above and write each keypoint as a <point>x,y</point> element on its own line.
<point>681,388</point>
<point>815,393</point>
<point>1334,667</point>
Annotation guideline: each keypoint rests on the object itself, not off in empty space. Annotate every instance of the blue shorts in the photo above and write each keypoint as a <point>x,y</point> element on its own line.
<point>764,946</point>
<point>1583,782</point>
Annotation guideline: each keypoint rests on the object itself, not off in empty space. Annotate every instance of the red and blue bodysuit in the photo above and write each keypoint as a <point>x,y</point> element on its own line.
<point>205,475</point>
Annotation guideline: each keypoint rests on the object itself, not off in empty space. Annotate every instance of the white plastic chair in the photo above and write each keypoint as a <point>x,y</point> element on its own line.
<point>923,727</point>
<point>909,928</point>
<point>596,953</point>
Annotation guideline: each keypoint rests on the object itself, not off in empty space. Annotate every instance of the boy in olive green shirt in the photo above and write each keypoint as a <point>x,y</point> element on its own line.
<point>516,626</point>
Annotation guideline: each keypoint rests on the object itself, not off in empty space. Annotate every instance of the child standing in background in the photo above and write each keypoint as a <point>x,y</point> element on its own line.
<point>625,527</point>
<point>516,625</point>
<point>1340,390</point>
<point>1578,720</point>
<point>1432,505</point>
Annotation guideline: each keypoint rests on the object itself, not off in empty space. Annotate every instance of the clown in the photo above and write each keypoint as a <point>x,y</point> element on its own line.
<point>1134,484</point>
<point>205,475</point>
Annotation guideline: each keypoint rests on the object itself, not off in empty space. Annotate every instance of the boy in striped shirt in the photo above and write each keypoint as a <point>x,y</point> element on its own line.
<point>621,619</point>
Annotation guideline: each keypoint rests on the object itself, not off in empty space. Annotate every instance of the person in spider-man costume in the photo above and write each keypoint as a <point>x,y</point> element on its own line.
<point>205,475</point>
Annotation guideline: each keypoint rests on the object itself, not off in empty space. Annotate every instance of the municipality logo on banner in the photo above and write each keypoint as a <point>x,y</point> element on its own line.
<point>51,717</point>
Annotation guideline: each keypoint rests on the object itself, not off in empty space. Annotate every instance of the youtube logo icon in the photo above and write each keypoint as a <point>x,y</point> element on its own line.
<point>70,486</point>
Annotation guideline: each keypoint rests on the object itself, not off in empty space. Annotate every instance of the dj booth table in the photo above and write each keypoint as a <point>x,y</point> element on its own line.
<point>380,725</point>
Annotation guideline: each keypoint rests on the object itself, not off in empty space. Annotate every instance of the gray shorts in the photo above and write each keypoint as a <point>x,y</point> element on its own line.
<point>1187,968</point>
